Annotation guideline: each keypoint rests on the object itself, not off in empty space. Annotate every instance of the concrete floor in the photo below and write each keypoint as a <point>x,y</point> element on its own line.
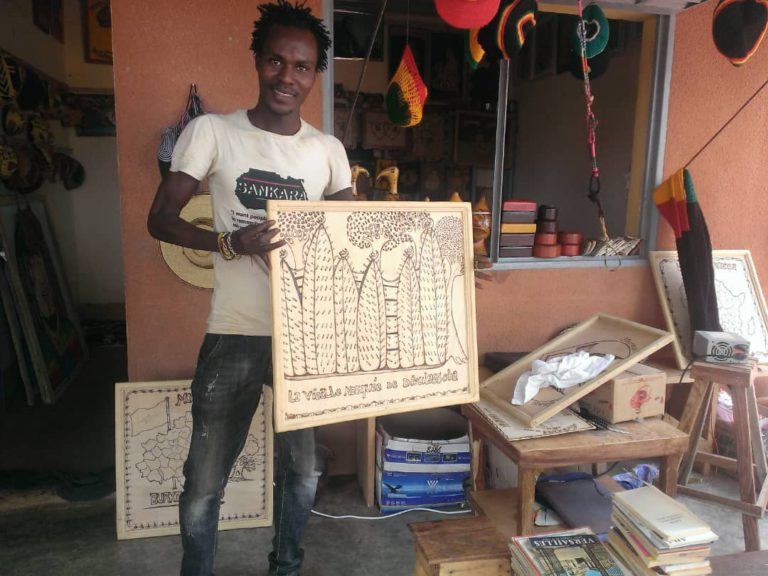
<point>41,533</point>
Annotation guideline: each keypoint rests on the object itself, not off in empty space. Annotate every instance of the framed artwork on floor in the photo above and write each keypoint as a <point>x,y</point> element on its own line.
<point>153,429</point>
<point>47,315</point>
<point>374,310</point>
<point>740,301</point>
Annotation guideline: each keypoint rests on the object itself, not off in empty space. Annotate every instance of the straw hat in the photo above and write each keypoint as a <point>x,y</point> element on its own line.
<point>193,266</point>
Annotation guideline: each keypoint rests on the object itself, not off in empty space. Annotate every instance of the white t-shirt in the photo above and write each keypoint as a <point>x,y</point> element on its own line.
<point>245,167</point>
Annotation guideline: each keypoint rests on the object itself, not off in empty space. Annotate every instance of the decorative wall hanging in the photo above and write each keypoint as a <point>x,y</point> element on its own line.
<point>97,31</point>
<point>380,134</point>
<point>740,300</point>
<point>153,428</point>
<point>374,310</point>
<point>48,318</point>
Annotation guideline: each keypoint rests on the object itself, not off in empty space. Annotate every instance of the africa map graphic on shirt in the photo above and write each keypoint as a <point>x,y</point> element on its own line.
<point>255,187</point>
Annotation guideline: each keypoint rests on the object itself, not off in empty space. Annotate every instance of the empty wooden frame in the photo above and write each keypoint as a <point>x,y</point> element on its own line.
<point>740,300</point>
<point>628,341</point>
<point>153,429</point>
<point>373,309</point>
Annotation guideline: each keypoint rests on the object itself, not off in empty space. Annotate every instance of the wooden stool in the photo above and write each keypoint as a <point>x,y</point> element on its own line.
<point>466,547</point>
<point>750,462</point>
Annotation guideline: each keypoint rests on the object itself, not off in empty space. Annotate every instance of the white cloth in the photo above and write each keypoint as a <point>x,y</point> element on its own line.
<point>245,167</point>
<point>560,372</point>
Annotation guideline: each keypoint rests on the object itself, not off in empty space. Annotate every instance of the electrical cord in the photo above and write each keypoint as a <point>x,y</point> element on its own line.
<point>352,516</point>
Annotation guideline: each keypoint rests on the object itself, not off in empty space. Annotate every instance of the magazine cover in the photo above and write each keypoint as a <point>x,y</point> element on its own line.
<point>570,553</point>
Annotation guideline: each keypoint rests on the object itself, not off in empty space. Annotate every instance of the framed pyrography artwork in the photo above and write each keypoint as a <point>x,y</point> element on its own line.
<point>352,31</point>
<point>97,31</point>
<point>374,309</point>
<point>153,429</point>
<point>380,134</point>
<point>740,300</point>
<point>628,341</point>
<point>47,316</point>
<point>475,139</point>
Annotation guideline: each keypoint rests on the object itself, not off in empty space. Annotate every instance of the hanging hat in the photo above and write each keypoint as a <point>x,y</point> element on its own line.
<point>406,92</point>
<point>472,49</point>
<point>30,170</point>
<point>597,30</point>
<point>193,266</point>
<point>12,120</point>
<point>738,27</point>
<point>12,76</point>
<point>467,13</point>
<point>9,160</point>
<point>505,35</point>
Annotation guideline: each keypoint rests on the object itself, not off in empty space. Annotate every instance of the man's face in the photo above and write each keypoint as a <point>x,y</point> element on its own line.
<point>287,67</point>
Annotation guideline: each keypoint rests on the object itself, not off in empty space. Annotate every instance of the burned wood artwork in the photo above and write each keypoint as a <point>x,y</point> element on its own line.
<point>153,425</point>
<point>374,310</point>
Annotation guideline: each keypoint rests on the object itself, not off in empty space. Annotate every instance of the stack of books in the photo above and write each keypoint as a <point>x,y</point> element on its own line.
<point>568,553</point>
<point>655,534</point>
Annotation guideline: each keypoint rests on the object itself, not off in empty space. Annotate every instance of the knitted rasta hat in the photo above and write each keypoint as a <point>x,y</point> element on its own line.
<point>406,92</point>
<point>738,27</point>
<point>472,49</point>
<point>466,13</point>
<point>505,35</point>
<point>597,31</point>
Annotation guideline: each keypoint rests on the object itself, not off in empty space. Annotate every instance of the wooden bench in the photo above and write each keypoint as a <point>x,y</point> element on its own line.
<point>465,547</point>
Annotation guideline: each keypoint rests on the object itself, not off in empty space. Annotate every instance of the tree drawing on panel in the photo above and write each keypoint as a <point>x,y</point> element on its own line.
<point>371,293</point>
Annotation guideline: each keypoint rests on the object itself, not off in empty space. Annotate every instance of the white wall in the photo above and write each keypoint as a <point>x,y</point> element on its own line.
<point>86,221</point>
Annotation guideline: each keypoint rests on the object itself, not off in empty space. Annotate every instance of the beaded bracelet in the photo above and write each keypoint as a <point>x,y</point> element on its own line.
<point>224,242</point>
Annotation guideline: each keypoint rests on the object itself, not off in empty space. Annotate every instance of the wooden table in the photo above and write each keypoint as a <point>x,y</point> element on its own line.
<point>652,438</point>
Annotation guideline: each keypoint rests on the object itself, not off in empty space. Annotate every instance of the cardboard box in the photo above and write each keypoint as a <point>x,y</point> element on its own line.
<point>638,392</point>
<point>422,459</point>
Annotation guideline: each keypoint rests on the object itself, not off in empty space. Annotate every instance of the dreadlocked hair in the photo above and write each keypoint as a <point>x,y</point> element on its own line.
<point>283,13</point>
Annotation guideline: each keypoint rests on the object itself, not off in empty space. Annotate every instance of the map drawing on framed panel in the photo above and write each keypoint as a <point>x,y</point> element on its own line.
<point>153,429</point>
<point>374,309</point>
<point>740,302</point>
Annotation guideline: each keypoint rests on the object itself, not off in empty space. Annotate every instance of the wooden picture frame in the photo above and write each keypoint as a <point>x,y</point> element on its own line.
<point>97,31</point>
<point>446,67</point>
<point>48,16</point>
<point>48,318</point>
<point>628,341</point>
<point>352,36</point>
<point>428,140</point>
<point>374,310</point>
<point>154,420</point>
<point>475,139</point>
<point>380,134</point>
<point>740,300</point>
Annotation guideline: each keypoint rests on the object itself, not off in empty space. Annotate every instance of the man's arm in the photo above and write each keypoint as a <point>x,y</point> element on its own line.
<point>345,194</point>
<point>165,224</point>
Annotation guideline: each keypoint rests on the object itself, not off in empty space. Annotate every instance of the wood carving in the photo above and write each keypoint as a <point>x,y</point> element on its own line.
<point>374,309</point>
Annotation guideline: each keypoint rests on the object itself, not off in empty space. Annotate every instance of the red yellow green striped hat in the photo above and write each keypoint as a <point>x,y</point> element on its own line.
<point>472,49</point>
<point>505,35</point>
<point>738,28</point>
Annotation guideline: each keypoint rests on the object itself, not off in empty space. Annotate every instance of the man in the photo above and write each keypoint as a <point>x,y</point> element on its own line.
<point>248,157</point>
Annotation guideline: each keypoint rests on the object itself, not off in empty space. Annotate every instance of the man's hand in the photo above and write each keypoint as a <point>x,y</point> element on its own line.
<point>256,240</point>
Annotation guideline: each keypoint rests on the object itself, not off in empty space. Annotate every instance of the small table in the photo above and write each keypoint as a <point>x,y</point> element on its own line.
<point>652,438</point>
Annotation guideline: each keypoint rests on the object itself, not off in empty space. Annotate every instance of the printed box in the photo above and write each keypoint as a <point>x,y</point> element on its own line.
<point>422,459</point>
<point>638,392</point>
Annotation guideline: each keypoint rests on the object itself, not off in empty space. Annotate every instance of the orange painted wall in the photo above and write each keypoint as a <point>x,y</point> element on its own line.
<point>160,48</point>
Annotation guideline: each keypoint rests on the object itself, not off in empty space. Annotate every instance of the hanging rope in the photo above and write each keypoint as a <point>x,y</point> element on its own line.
<point>594,180</point>
<point>724,126</point>
<point>362,72</point>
